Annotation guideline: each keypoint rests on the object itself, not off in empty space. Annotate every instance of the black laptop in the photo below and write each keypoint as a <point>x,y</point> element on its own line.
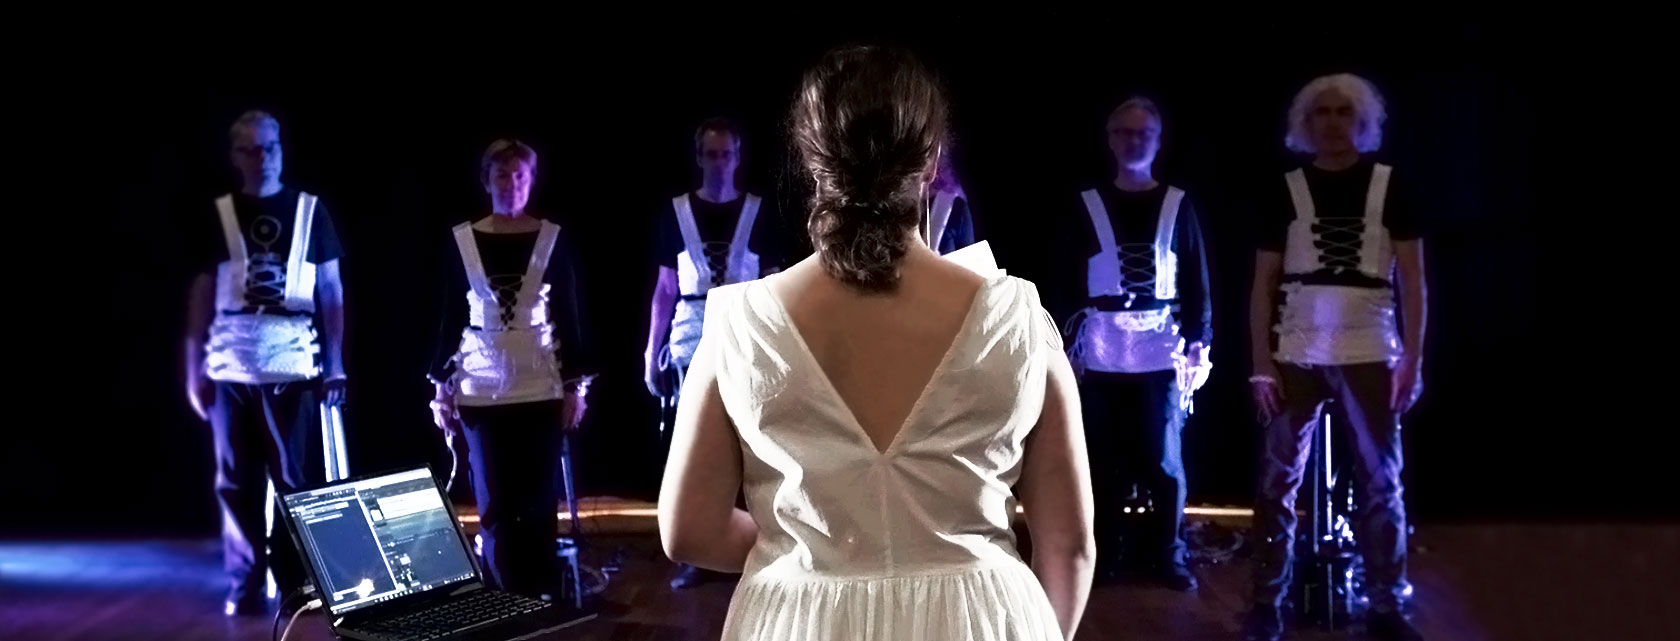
<point>390,564</point>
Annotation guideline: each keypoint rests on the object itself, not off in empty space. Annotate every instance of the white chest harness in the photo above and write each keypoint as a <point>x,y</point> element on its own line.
<point>1127,340</point>
<point>939,216</point>
<point>507,352</point>
<point>1337,324</point>
<point>264,344</point>
<point>695,276</point>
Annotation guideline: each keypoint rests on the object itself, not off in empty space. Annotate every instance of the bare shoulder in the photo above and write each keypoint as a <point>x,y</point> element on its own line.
<point>790,283</point>
<point>959,274</point>
<point>926,267</point>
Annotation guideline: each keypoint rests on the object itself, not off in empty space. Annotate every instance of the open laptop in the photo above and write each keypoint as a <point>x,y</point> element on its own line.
<point>390,563</point>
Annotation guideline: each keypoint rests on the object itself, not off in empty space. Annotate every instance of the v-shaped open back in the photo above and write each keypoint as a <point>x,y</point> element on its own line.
<point>904,424</point>
<point>851,534</point>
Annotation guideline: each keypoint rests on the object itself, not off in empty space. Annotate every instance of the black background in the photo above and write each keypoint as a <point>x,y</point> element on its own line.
<point>388,124</point>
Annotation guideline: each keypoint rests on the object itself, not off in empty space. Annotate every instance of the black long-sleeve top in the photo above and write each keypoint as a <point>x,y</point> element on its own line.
<point>506,257</point>
<point>1134,216</point>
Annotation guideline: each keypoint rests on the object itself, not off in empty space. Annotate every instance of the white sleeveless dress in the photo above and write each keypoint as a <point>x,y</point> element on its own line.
<point>907,544</point>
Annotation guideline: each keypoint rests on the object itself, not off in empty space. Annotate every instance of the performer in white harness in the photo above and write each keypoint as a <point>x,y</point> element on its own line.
<point>509,372</point>
<point>264,322</point>
<point>511,357</point>
<point>697,272</point>
<point>711,237</point>
<point>1140,345</point>
<point>1340,232</point>
<point>950,219</point>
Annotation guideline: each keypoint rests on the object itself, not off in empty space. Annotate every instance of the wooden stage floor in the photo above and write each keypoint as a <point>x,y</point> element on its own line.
<point>1520,581</point>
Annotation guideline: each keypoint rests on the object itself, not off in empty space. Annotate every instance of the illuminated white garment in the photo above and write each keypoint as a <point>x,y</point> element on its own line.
<point>695,276</point>
<point>264,344</point>
<point>507,352</point>
<point>1337,324</point>
<point>913,543</point>
<point>939,216</point>
<point>1124,340</point>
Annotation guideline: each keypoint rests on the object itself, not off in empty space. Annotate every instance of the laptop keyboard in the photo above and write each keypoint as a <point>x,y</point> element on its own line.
<point>441,620</point>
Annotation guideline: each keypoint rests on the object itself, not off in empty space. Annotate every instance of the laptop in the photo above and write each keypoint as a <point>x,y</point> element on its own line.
<point>390,563</point>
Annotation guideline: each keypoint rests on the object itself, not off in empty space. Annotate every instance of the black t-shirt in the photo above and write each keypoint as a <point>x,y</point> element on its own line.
<point>266,224</point>
<point>1341,194</point>
<point>1134,216</point>
<point>506,257</point>
<point>716,224</point>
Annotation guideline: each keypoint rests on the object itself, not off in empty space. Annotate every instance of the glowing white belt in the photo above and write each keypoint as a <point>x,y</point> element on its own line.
<point>262,348</point>
<point>1336,325</point>
<point>1124,341</point>
<point>507,366</point>
<point>686,328</point>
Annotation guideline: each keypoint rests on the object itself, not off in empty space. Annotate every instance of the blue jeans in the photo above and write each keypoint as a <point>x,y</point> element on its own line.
<point>1362,393</point>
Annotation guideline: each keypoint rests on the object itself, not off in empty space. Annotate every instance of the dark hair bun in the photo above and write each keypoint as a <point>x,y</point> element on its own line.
<point>868,124</point>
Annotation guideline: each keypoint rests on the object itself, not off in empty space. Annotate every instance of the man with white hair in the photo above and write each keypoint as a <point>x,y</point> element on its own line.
<point>264,346</point>
<point>1140,343</point>
<point>1343,229</point>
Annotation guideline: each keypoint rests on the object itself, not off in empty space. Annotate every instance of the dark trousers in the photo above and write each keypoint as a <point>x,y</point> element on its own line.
<point>515,455</point>
<point>1373,430</point>
<point>1134,431</point>
<point>262,433</point>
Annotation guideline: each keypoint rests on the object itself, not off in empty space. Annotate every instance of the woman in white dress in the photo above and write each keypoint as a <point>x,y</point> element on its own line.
<point>883,408</point>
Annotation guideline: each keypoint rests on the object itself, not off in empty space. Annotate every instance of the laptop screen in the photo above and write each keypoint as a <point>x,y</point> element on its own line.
<point>378,539</point>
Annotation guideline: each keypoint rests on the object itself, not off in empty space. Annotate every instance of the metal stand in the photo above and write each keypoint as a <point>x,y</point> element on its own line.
<point>667,416</point>
<point>568,545</point>
<point>1327,566</point>
<point>1138,543</point>
<point>566,478</point>
<point>333,449</point>
<point>668,404</point>
<point>336,459</point>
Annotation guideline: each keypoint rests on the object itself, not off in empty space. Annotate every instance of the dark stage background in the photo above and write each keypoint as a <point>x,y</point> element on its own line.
<point>390,133</point>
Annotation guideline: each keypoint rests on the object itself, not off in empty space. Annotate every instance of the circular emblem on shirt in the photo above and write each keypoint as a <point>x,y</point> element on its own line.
<point>265,230</point>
